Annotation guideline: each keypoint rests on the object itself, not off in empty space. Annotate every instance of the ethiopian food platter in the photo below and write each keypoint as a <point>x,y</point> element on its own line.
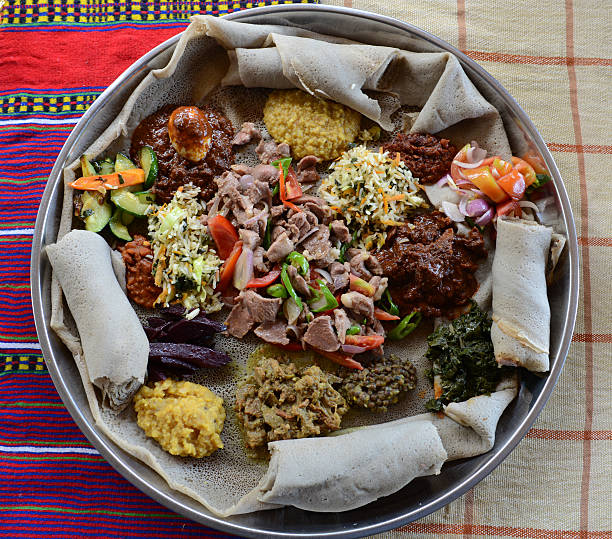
<point>312,273</point>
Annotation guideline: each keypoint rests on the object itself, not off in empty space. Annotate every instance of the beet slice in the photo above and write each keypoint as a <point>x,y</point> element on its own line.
<point>199,356</point>
<point>190,331</point>
<point>173,364</point>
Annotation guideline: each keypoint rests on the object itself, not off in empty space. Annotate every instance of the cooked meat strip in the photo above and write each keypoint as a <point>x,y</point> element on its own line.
<point>380,285</point>
<point>298,282</point>
<point>280,248</point>
<point>306,169</point>
<point>340,275</point>
<point>270,151</point>
<point>265,173</point>
<point>249,238</point>
<point>138,257</point>
<point>342,323</point>
<point>318,245</point>
<point>273,332</point>
<point>259,191</point>
<point>323,212</point>
<point>363,264</point>
<point>258,260</point>
<point>430,268</point>
<point>241,169</point>
<point>304,221</point>
<point>251,308</point>
<point>248,132</point>
<point>427,156</point>
<point>340,230</point>
<point>361,305</point>
<point>321,335</point>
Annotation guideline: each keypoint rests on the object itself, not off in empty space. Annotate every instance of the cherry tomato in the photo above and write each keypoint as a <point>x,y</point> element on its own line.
<point>224,235</point>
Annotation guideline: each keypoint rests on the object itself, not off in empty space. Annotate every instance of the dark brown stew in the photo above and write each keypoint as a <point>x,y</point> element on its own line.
<point>175,170</point>
<point>430,268</point>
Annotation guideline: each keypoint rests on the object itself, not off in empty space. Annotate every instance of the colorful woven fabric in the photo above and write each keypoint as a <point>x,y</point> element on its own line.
<point>57,57</point>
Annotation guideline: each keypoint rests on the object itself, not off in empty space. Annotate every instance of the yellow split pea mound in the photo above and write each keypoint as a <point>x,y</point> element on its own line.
<point>184,418</point>
<point>311,126</point>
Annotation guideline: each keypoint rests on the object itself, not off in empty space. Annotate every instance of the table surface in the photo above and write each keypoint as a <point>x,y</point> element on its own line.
<point>554,57</point>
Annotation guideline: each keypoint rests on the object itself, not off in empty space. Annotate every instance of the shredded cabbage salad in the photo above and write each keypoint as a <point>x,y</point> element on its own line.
<point>372,191</point>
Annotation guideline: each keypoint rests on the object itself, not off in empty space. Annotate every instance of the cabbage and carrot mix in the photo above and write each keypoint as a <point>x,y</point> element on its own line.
<point>372,191</point>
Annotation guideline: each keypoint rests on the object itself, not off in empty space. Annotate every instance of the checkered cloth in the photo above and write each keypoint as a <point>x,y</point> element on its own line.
<point>57,56</point>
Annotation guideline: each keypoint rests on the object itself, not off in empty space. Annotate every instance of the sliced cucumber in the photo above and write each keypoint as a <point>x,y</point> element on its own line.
<point>117,227</point>
<point>127,218</point>
<point>95,215</point>
<point>105,166</point>
<point>148,162</point>
<point>129,202</point>
<point>146,197</point>
<point>86,167</point>
<point>123,163</point>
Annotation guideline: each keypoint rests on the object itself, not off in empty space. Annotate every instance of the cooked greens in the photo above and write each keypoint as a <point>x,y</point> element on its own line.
<point>463,362</point>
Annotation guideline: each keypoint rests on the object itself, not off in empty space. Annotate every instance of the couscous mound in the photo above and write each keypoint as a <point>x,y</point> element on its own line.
<point>311,126</point>
<point>186,419</point>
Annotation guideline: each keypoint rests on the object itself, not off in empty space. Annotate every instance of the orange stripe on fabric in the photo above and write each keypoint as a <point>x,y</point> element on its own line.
<point>468,514</point>
<point>462,30</point>
<point>575,148</point>
<point>586,274</point>
<point>537,60</point>
<point>546,434</point>
<point>348,3</point>
<point>592,337</point>
<point>504,531</point>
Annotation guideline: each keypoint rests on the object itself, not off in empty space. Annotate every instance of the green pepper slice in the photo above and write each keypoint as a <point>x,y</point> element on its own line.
<point>388,305</point>
<point>290,290</point>
<point>406,326</point>
<point>277,291</point>
<point>299,261</point>
<point>353,330</point>
<point>323,299</point>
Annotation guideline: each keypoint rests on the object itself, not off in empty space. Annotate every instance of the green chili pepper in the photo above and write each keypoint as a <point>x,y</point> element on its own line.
<point>283,163</point>
<point>291,291</point>
<point>299,261</point>
<point>345,246</point>
<point>277,291</point>
<point>275,190</point>
<point>267,239</point>
<point>405,327</point>
<point>323,299</point>
<point>353,330</point>
<point>388,305</point>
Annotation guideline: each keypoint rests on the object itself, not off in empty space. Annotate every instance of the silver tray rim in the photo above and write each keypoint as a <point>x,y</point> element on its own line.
<point>168,497</point>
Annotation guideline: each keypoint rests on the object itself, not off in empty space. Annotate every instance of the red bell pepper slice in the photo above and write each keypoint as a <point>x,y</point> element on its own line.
<point>341,359</point>
<point>379,314</point>
<point>293,189</point>
<point>266,280</point>
<point>282,193</point>
<point>227,270</point>
<point>369,342</point>
<point>223,233</point>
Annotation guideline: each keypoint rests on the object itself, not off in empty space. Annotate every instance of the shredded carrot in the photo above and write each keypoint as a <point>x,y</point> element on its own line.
<point>397,159</point>
<point>180,189</point>
<point>336,209</point>
<point>397,197</point>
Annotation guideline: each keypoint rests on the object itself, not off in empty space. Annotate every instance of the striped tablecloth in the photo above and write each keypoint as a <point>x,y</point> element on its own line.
<point>555,57</point>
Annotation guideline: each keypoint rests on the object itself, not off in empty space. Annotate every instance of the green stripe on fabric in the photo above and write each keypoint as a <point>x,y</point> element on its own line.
<point>32,405</point>
<point>17,224</point>
<point>48,443</point>
<point>22,127</point>
<point>16,338</point>
<point>47,508</point>
<point>24,371</point>
<point>76,458</point>
<point>23,182</point>
<point>16,240</point>
<point>14,286</point>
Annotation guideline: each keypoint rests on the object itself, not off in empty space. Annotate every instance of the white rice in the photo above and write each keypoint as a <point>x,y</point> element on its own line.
<point>372,191</point>
<point>185,264</point>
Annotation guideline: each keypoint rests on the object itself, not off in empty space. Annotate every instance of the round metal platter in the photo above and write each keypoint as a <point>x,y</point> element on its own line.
<point>423,495</point>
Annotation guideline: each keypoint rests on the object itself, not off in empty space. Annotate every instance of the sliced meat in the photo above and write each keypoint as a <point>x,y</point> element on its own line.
<point>265,173</point>
<point>321,335</point>
<point>298,282</point>
<point>251,308</point>
<point>280,248</point>
<point>306,169</point>
<point>380,285</point>
<point>323,212</point>
<point>277,211</point>
<point>259,191</point>
<point>340,230</point>
<point>277,230</point>
<point>318,245</point>
<point>363,264</point>
<point>340,274</point>
<point>358,303</point>
<point>241,169</point>
<point>249,238</point>
<point>304,221</point>
<point>270,151</point>
<point>248,132</point>
<point>342,323</point>
<point>231,199</point>
<point>258,260</point>
<point>273,332</point>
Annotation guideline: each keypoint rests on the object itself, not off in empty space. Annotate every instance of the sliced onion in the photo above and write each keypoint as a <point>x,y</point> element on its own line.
<point>243,272</point>
<point>257,216</point>
<point>464,182</point>
<point>352,349</point>
<point>325,274</point>
<point>452,210</point>
<point>319,303</point>
<point>291,310</point>
<point>461,164</point>
<point>295,330</point>
<point>463,205</point>
<point>486,217</point>
<point>443,180</point>
<point>477,207</point>
<point>528,204</point>
<point>475,154</point>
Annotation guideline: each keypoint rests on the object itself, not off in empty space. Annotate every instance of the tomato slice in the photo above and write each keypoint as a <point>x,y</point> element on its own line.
<point>266,280</point>
<point>369,342</point>
<point>502,167</point>
<point>536,162</point>
<point>379,314</point>
<point>456,172</point>
<point>224,234</point>
<point>341,359</point>
<point>227,270</point>
<point>525,169</point>
<point>513,184</point>
<point>293,189</point>
<point>511,206</point>
<point>482,178</point>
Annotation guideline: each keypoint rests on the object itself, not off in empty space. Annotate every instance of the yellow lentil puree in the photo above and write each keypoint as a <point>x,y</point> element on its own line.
<point>311,126</point>
<point>186,419</point>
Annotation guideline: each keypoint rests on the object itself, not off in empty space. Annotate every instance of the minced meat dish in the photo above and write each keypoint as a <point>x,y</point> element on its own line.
<point>174,170</point>
<point>279,401</point>
<point>138,258</point>
<point>427,156</point>
<point>430,268</point>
